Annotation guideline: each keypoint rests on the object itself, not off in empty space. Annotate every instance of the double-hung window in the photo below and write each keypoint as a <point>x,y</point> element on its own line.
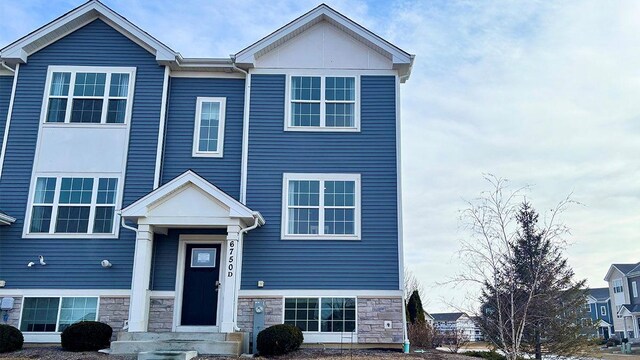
<point>54,314</point>
<point>603,310</point>
<point>73,205</point>
<point>208,137</point>
<point>88,95</point>
<point>323,103</point>
<point>617,286</point>
<point>325,314</point>
<point>325,206</point>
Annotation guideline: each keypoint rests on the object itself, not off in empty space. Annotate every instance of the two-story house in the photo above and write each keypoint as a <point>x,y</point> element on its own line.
<point>599,307</point>
<point>458,323</point>
<point>166,194</point>
<point>624,281</point>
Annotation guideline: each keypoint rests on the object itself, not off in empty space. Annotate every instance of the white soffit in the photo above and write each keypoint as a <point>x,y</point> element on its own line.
<point>19,50</point>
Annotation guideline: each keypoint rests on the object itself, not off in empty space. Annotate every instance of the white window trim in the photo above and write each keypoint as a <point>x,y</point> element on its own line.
<point>324,336</point>
<point>320,177</point>
<point>603,310</point>
<point>97,69</point>
<point>46,334</point>
<point>322,127</point>
<point>53,235</point>
<point>196,131</point>
<point>634,287</point>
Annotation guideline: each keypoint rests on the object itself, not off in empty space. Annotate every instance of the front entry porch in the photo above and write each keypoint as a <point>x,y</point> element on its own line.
<point>208,263</point>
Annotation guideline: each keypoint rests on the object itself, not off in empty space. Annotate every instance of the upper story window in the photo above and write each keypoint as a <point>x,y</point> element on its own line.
<point>323,206</point>
<point>634,288</point>
<point>208,136</point>
<point>617,286</point>
<point>323,103</point>
<point>603,310</point>
<point>73,206</point>
<point>89,95</point>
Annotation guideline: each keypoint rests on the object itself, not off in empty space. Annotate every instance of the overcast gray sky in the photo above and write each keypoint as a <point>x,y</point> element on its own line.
<point>542,93</point>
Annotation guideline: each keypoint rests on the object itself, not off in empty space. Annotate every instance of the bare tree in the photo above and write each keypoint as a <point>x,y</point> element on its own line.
<point>454,340</point>
<point>411,284</point>
<point>487,257</point>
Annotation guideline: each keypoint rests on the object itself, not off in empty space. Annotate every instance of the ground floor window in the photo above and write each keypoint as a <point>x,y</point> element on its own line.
<point>54,314</point>
<point>320,314</point>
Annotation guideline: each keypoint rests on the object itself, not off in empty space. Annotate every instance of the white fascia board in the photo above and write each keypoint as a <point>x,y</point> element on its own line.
<point>247,55</point>
<point>93,9</point>
<point>140,207</point>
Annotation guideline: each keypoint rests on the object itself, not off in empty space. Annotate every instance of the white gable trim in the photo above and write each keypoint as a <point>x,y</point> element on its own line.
<point>401,59</point>
<point>612,268</point>
<point>141,207</point>
<point>19,51</point>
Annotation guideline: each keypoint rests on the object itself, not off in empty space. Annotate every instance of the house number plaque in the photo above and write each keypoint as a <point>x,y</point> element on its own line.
<point>230,267</point>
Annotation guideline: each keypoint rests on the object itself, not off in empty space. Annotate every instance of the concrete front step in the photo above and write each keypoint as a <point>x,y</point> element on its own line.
<point>146,336</point>
<point>167,355</point>
<point>203,347</point>
<point>203,343</point>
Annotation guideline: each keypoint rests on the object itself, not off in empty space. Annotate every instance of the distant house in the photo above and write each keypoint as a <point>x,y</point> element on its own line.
<point>457,322</point>
<point>624,281</point>
<point>599,306</point>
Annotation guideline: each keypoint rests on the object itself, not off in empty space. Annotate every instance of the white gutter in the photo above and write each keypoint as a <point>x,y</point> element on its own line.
<point>123,223</point>
<point>257,221</point>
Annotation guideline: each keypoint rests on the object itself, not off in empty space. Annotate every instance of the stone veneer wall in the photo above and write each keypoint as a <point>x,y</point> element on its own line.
<point>114,311</point>
<point>372,313</point>
<point>161,314</point>
<point>14,314</point>
<point>272,314</point>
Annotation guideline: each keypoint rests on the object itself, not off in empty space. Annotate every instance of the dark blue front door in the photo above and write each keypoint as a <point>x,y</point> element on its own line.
<point>200,290</point>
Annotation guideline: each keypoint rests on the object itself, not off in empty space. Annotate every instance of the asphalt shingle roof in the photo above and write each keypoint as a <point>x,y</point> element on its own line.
<point>600,294</point>
<point>626,268</point>
<point>446,316</point>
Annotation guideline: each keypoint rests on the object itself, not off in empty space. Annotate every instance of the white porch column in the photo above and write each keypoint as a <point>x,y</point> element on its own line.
<point>635,326</point>
<point>139,302</point>
<point>230,265</point>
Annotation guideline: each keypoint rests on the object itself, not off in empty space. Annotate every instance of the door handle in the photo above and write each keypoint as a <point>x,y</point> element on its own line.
<point>218,285</point>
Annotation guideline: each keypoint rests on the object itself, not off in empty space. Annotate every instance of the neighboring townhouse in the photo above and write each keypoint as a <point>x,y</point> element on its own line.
<point>599,307</point>
<point>165,194</point>
<point>459,323</point>
<point>624,284</point>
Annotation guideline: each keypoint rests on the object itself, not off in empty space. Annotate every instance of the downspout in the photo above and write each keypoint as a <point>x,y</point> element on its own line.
<point>244,167</point>
<point>256,223</point>
<point>124,225</point>
<point>4,65</point>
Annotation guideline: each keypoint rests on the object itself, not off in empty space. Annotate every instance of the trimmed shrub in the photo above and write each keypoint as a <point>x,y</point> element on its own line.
<point>487,355</point>
<point>279,339</point>
<point>86,336</point>
<point>11,339</point>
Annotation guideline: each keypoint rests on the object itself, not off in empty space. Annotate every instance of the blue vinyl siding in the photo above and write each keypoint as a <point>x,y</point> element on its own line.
<point>370,263</point>
<point>223,172</point>
<point>6,83</point>
<point>75,263</point>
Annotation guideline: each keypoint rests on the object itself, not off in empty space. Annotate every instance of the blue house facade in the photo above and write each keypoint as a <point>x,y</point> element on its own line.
<point>165,194</point>
<point>599,306</point>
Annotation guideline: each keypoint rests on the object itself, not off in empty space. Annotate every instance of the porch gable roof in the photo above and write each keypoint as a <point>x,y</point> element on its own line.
<point>142,207</point>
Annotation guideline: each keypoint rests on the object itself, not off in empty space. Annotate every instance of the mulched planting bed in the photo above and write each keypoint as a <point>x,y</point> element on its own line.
<point>52,352</point>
